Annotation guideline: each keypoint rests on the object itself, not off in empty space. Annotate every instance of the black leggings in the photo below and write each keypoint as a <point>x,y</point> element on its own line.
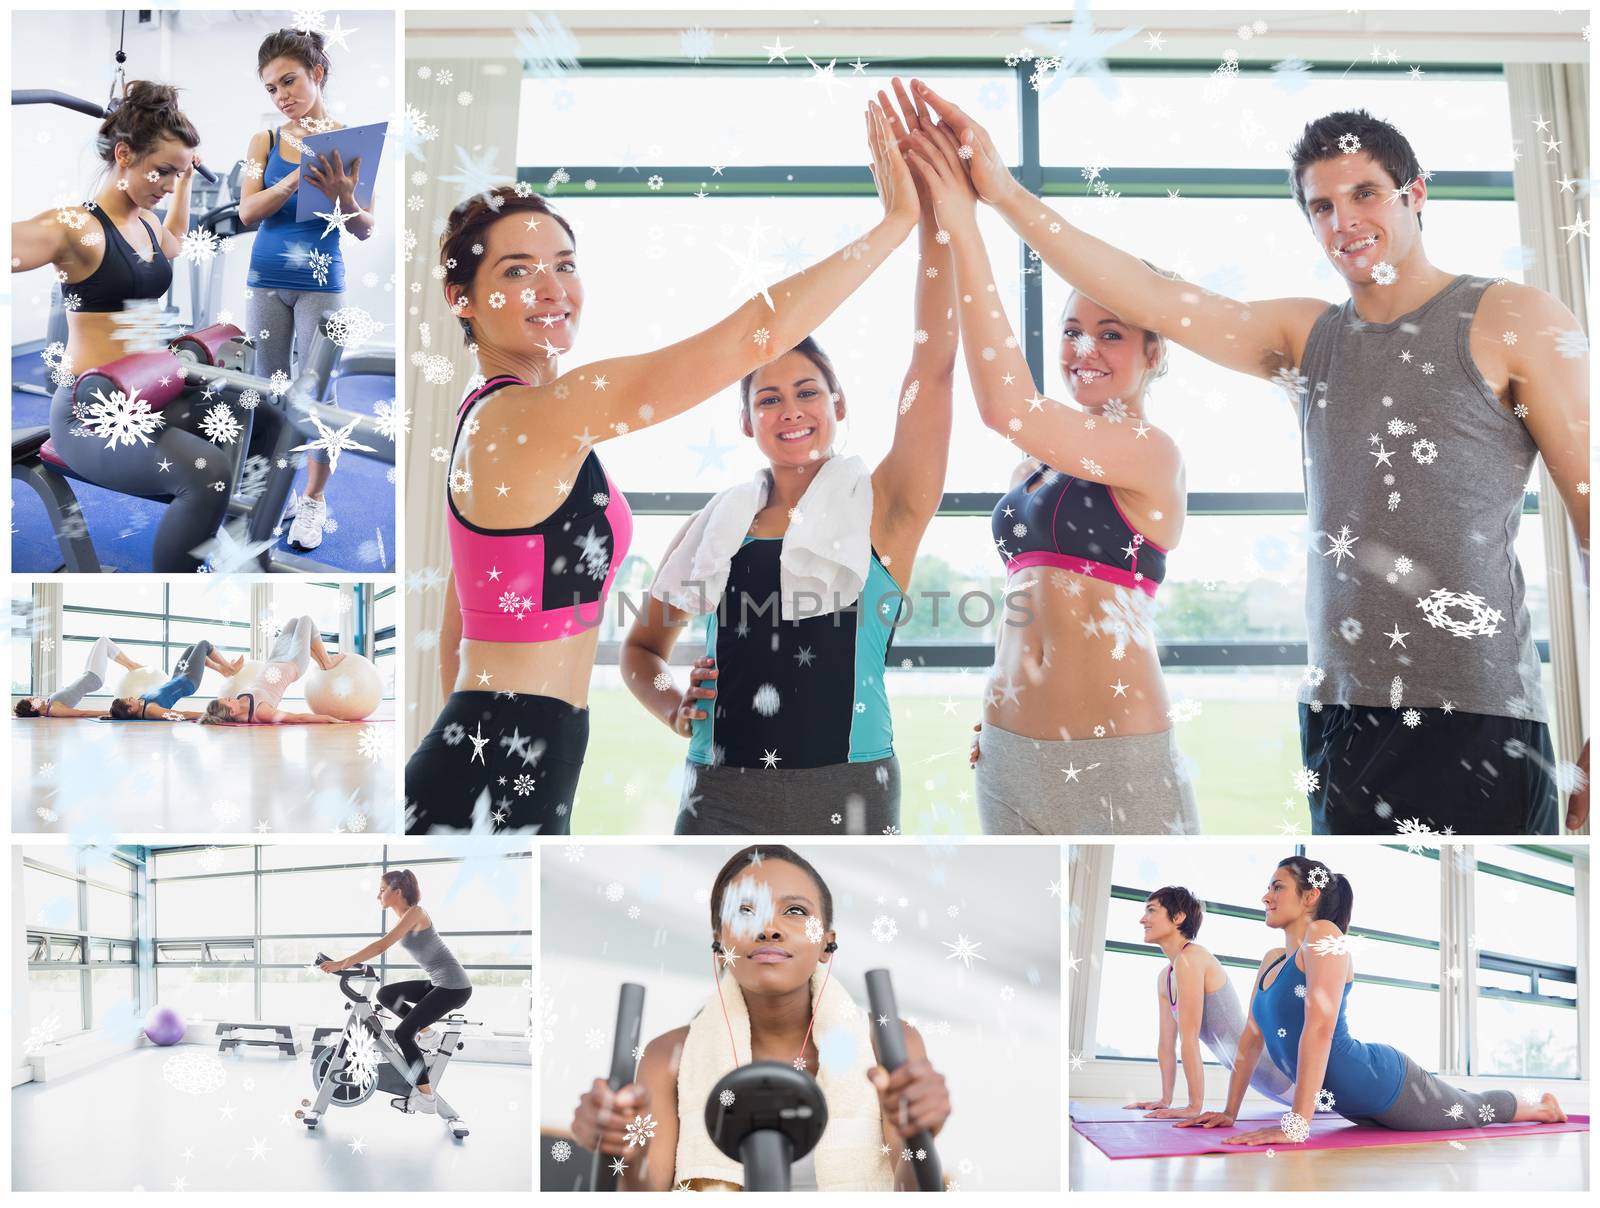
<point>497,762</point>
<point>199,504</point>
<point>418,1003</point>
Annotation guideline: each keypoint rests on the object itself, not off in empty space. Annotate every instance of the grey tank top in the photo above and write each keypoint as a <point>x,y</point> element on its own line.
<point>1221,1025</point>
<point>1414,477</point>
<point>427,948</point>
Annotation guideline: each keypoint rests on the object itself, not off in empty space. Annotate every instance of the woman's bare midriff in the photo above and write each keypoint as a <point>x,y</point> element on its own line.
<point>1055,677</point>
<point>92,341</point>
<point>559,668</point>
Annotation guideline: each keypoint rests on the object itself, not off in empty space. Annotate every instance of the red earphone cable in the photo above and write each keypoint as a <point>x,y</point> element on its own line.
<point>716,976</point>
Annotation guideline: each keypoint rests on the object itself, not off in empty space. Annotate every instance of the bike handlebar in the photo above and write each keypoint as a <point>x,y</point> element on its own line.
<point>365,972</point>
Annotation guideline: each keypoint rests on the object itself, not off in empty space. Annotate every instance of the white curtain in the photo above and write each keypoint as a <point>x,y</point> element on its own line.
<point>466,135</point>
<point>1559,93</point>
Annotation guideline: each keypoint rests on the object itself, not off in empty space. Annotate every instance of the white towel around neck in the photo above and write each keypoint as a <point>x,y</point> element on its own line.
<point>849,1155</point>
<point>827,550</point>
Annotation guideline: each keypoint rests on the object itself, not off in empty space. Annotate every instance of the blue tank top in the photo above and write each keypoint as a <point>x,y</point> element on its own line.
<point>1364,1079</point>
<point>171,692</point>
<point>808,692</point>
<point>289,254</point>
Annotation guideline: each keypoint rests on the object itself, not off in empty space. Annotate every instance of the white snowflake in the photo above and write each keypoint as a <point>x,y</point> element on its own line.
<point>1425,452</point>
<point>1307,781</point>
<point>370,743</point>
<point>220,426</point>
<point>884,929</point>
<point>1383,273</point>
<point>1300,990</point>
<point>1481,620</point>
<point>725,1098</point>
<point>120,419</point>
<point>1349,144</point>
<point>1415,833</point>
<point>1455,1111</point>
<point>640,1130</point>
<point>1486,1113</point>
<point>390,420</point>
<point>1411,718</point>
<point>1339,548</point>
<point>560,1151</point>
<point>1324,1100</point>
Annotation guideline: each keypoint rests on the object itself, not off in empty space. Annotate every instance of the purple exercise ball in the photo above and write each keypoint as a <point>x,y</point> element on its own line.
<point>163,1026</point>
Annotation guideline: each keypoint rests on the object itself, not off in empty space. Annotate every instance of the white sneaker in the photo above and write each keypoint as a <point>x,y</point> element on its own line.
<point>309,515</point>
<point>427,1105</point>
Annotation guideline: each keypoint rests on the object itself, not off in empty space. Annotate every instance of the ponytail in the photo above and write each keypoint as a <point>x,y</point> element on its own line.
<point>1336,899</point>
<point>405,881</point>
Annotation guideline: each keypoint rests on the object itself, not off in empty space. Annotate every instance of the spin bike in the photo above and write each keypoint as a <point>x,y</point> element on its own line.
<point>362,1058</point>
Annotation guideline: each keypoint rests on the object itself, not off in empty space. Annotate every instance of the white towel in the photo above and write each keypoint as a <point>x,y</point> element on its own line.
<point>827,550</point>
<point>849,1154</point>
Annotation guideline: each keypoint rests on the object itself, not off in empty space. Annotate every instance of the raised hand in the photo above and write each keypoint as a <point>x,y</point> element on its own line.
<point>889,172</point>
<point>935,159</point>
<point>984,165</point>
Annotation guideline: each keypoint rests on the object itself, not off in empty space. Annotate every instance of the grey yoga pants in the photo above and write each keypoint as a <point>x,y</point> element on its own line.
<point>93,677</point>
<point>277,316</point>
<point>1131,784</point>
<point>1428,1102</point>
<point>839,799</point>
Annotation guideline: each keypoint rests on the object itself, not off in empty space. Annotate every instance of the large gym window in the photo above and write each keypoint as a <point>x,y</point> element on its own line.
<point>81,908</point>
<point>1149,170</point>
<point>236,928</point>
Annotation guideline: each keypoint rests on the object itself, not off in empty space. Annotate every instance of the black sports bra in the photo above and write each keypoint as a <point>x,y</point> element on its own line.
<point>122,276</point>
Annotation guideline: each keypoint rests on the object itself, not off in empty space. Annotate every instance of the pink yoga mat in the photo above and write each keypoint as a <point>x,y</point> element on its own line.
<point>1158,1139</point>
<point>1106,1113</point>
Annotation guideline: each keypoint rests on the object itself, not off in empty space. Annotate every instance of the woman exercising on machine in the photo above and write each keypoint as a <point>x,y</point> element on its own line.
<point>1195,1005</point>
<point>1297,1015</point>
<point>110,252</point>
<point>416,1003</point>
<point>258,702</point>
<point>63,701</point>
<point>296,268</point>
<point>772,944</point>
<point>186,675</point>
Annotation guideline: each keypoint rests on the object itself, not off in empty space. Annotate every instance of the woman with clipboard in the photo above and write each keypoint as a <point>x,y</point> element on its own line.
<point>296,268</point>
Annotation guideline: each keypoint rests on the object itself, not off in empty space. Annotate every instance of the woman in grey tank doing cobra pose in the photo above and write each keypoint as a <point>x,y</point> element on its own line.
<point>424,1001</point>
<point>1197,1006</point>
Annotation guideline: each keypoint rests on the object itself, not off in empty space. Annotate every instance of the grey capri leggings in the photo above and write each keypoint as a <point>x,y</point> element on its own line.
<point>285,315</point>
<point>179,461</point>
<point>720,800</point>
<point>1428,1102</point>
<point>93,677</point>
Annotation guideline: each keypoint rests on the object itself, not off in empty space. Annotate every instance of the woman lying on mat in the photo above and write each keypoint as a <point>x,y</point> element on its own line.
<point>772,946</point>
<point>260,701</point>
<point>187,673</point>
<point>1297,1015</point>
<point>1195,1005</point>
<point>64,701</point>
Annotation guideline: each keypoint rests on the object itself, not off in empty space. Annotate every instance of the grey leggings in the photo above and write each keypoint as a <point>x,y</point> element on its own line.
<point>179,461</point>
<point>93,677</point>
<point>863,797</point>
<point>285,315</point>
<point>1428,1102</point>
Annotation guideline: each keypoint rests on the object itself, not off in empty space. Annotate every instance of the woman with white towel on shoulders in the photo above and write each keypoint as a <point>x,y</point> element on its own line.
<point>800,576</point>
<point>772,951</point>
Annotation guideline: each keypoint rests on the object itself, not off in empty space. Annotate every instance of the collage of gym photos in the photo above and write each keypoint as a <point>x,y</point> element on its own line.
<point>865,599</point>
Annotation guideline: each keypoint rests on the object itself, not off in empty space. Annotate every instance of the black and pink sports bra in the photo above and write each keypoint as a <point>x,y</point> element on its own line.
<point>1074,524</point>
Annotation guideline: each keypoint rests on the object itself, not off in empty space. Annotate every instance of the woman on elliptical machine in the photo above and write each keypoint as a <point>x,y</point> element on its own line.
<point>771,954</point>
<point>416,1003</point>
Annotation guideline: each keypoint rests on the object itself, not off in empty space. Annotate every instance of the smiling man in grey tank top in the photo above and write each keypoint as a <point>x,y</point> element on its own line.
<point>1423,401</point>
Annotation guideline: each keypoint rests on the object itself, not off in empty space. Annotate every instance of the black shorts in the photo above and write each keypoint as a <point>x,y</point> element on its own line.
<point>497,761</point>
<point>1473,773</point>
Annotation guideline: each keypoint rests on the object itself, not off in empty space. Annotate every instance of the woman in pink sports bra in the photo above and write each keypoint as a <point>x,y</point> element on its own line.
<point>1077,735</point>
<point>537,529</point>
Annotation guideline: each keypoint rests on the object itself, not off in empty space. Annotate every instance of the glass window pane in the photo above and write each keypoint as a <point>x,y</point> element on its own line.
<point>1394,890</point>
<point>786,117</point>
<point>473,950</point>
<point>500,1001</point>
<point>207,906</point>
<point>1529,1040</point>
<point>300,996</point>
<point>51,900</point>
<point>195,860</point>
<point>113,990</point>
<point>55,1001</point>
<point>110,913</point>
<point>109,870</point>
<point>22,637</point>
<point>64,858</point>
<point>1535,863</point>
<point>492,897</point>
<point>340,900</point>
<point>306,855</point>
<point>1406,1019</point>
<point>214,992</point>
<point>1514,919</point>
<point>1152,120</point>
<point>303,952</point>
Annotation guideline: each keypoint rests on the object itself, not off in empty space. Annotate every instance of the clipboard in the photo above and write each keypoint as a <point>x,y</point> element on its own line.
<point>363,142</point>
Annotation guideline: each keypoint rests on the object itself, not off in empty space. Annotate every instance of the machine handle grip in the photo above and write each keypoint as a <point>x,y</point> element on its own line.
<point>49,96</point>
<point>889,1041</point>
<point>630,1018</point>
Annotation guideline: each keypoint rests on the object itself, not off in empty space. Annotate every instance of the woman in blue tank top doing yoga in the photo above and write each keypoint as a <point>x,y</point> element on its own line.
<point>537,528</point>
<point>1297,1018</point>
<point>799,576</point>
<point>1077,731</point>
<point>297,269</point>
<point>1195,1005</point>
<point>426,1000</point>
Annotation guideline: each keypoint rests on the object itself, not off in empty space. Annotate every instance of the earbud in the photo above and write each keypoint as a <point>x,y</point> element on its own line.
<point>831,947</point>
<point>716,946</point>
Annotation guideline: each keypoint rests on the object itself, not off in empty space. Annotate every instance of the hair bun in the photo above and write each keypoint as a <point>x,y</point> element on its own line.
<point>148,94</point>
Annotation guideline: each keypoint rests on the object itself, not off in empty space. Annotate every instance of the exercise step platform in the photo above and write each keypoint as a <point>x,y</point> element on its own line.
<point>282,1037</point>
